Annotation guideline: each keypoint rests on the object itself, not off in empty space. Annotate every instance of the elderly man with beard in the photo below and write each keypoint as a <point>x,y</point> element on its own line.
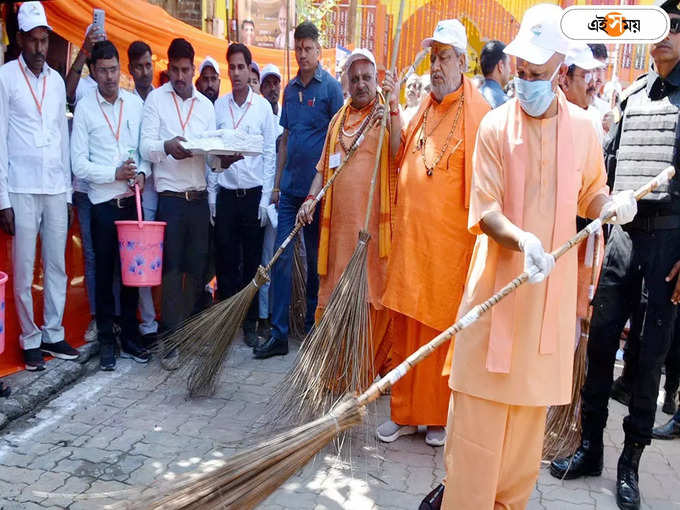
<point>208,81</point>
<point>344,205</point>
<point>528,185</point>
<point>431,246</point>
<point>644,142</point>
<point>579,84</point>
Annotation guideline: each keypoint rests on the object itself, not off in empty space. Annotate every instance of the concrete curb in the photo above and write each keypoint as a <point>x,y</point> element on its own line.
<point>30,389</point>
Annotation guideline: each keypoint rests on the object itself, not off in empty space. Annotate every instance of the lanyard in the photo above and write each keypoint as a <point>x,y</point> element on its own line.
<point>233,121</point>
<point>116,133</point>
<point>179,114</point>
<point>30,87</point>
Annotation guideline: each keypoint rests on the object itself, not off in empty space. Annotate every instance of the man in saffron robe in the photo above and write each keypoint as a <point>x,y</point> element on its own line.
<point>431,246</point>
<point>528,184</point>
<point>344,206</point>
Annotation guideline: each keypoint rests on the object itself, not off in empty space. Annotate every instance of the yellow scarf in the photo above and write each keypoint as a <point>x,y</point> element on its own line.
<point>385,227</point>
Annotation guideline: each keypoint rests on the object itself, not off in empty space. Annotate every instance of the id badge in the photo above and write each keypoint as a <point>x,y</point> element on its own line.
<point>334,160</point>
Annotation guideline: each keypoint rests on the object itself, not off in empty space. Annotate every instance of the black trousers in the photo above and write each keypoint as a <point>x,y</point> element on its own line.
<point>238,242</point>
<point>107,263</point>
<point>631,257</point>
<point>185,257</point>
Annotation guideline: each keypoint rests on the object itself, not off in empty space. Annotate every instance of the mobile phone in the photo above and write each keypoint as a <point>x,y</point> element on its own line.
<point>98,17</point>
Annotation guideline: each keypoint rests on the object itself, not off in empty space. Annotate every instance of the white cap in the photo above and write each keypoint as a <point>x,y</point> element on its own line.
<point>32,15</point>
<point>359,54</point>
<point>269,69</point>
<point>582,56</point>
<point>450,32</point>
<point>540,35</point>
<point>209,61</point>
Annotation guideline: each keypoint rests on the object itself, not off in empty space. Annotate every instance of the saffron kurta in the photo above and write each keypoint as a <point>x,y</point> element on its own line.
<point>431,248</point>
<point>534,379</point>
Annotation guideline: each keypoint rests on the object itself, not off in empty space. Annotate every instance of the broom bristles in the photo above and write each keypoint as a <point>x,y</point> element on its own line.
<point>203,341</point>
<point>251,476</point>
<point>298,299</point>
<point>336,358</point>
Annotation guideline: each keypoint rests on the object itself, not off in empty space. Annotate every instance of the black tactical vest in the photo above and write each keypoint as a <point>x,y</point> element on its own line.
<point>648,144</point>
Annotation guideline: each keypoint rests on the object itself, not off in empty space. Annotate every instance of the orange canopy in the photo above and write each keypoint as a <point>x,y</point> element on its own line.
<point>131,20</point>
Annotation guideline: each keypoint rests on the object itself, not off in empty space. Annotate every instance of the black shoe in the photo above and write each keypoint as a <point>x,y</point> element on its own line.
<point>620,392</point>
<point>250,333</point>
<point>433,501</point>
<point>627,490</point>
<point>670,430</point>
<point>130,350</point>
<point>669,405</point>
<point>149,341</point>
<point>33,359</point>
<point>5,391</point>
<point>272,347</point>
<point>107,357</point>
<point>61,350</point>
<point>586,461</point>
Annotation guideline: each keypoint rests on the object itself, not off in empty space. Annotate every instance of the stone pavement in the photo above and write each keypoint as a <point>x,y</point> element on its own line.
<point>111,435</point>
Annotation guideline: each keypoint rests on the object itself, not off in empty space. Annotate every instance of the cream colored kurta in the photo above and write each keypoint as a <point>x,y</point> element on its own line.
<point>534,379</point>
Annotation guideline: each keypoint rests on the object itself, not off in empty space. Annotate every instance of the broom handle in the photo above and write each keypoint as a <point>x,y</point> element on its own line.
<point>470,317</point>
<point>386,115</point>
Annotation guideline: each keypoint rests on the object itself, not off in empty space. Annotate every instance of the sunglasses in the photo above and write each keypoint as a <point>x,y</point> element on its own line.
<point>587,77</point>
<point>675,25</point>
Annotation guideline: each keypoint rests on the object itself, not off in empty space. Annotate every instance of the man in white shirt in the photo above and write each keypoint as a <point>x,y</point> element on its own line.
<point>173,113</point>
<point>106,127</point>
<point>270,88</point>
<point>35,183</point>
<point>239,195</point>
<point>140,65</point>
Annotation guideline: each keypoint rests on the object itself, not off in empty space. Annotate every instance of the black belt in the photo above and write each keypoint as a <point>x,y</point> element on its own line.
<point>240,193</point>
<point>122,203</point>
<point>651,223</point>
<point>186,195</point>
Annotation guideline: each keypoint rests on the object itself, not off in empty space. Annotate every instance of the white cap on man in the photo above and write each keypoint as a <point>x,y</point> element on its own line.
<point>32,15</point>
<point>450,32</point>
<point>359,54</point>
<point>209,61</point>
<point>270,69</point>
<point>540,35</point>
<point>582,56</point>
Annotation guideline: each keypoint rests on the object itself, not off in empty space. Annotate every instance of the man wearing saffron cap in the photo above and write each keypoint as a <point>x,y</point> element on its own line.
<point>528,185</point>
<point>431,247</point>
<point>344,206</point>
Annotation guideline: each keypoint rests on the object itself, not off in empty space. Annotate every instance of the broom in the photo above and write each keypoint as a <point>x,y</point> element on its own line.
<point>298,299</point>
<point>563,423</point>
<point>251,476</point>
<point>337,356</point>
<point>204,339</point>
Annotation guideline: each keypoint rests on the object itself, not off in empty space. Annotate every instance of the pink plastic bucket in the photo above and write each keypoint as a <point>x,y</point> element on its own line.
<point>3,282</point>
<point>141,250</point>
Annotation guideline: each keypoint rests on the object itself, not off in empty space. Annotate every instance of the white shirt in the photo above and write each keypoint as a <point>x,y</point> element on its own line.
<point>277,123</point>
<point>149,195</point>
<point>34,147</point>
<point>254,116</point>
<point>95,153</point>
<point>596,117</point>
<point>86,84</point>
<point>161,122</point>
<point>601,105</point>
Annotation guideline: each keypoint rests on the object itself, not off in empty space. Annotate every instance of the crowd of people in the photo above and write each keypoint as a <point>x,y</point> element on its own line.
<point>478,181</point>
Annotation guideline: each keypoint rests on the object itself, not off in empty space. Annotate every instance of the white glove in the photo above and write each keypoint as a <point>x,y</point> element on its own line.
<point>624,207</point>
<point>537,262</point>
<point>262,215</point>
<point>213,212</point>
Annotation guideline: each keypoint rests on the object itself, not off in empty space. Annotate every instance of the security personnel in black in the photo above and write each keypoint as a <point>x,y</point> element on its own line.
<point>642,144</point>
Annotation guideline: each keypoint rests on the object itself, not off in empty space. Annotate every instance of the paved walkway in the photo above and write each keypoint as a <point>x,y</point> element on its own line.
<point>113,434</point>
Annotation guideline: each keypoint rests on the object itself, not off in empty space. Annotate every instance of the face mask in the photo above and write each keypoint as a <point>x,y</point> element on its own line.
<point>535,96</point>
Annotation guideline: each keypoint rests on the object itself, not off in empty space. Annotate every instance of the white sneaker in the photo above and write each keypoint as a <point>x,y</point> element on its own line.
<point>435,436</point>
<point>390,431</point>
<point>91,331</point>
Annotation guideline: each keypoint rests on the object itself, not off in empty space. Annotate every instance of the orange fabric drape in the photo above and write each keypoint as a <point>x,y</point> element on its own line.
<point>131,20</point>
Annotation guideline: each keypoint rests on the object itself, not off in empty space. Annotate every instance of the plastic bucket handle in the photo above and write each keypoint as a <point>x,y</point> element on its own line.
<point>139,206</point>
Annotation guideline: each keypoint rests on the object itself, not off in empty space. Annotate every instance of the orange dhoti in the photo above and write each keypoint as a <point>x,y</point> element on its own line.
<point>421,397</point>
<point>492,455</point>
